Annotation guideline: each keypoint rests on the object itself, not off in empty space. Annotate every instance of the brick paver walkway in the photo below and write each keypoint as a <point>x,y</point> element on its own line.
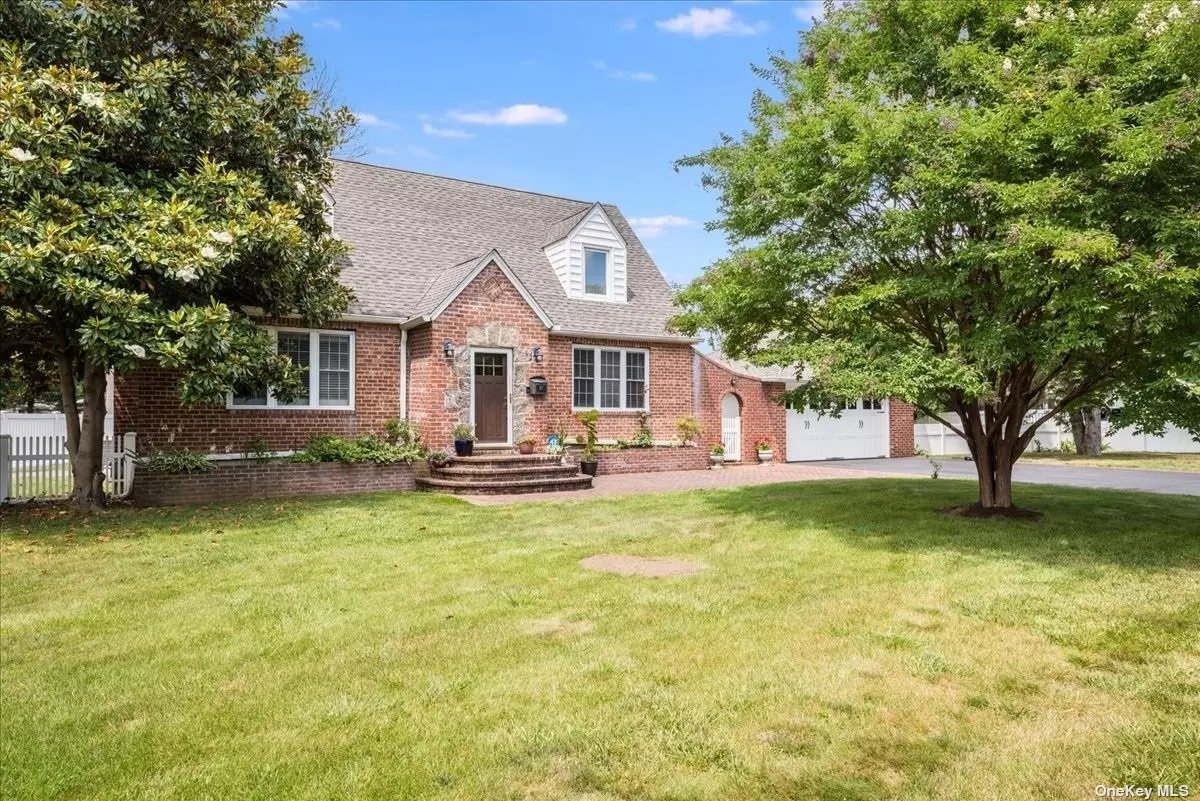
<point>634,483</point>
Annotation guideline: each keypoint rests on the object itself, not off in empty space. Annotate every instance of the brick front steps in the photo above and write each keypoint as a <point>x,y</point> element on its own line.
<point>503,474</point>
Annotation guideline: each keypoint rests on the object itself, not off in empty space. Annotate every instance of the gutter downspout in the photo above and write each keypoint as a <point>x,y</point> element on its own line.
<point>403,373</point>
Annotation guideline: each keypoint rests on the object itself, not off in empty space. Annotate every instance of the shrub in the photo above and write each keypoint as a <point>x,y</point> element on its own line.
<point>174,461</point>
<point>258,451</point>
<point>438,458</point>
<point>689,430</point>
<point>403,433</point>
<point>367,448</point>
<point>589,421</point>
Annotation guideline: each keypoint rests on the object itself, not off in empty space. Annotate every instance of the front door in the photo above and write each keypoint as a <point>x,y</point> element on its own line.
<point>491,397</point>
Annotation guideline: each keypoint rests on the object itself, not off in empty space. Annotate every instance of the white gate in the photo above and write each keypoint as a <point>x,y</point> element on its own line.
<point>731,427</point>
<point>38,466</point>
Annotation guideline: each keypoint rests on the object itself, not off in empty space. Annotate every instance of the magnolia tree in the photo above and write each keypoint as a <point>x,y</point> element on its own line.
<point>161,169</point>
<point>961,203</point>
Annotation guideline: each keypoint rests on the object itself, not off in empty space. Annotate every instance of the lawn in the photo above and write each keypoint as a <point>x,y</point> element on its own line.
<point>845,641</point>
<point>1181,462</point>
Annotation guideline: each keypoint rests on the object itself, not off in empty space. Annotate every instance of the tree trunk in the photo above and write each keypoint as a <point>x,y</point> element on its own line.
<point>85,435</point>
<point>1092,431</point>
<point>994,456</point>
<point>1076,418</point>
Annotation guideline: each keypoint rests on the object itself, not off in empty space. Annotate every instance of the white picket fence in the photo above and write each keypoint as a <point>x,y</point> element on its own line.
<point>37,466</point>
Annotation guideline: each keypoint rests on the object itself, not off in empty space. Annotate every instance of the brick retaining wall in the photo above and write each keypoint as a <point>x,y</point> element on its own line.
<point>241,479</point>
<point>650,460</point>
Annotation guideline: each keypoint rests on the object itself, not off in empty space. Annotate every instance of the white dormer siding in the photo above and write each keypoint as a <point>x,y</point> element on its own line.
<point>594,232</point>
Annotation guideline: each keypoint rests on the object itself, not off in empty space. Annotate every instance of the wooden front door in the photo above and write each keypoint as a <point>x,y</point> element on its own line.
<point>491,397</point>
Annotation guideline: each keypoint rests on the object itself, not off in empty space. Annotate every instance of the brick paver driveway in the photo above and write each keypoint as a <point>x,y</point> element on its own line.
<point>740,476</point>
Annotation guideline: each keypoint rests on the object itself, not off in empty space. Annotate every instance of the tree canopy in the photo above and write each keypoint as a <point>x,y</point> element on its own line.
<point>958,203</point>
<point>162,167</point>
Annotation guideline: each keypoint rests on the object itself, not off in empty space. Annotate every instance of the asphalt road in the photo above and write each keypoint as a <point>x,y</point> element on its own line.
<point>1171,483</point>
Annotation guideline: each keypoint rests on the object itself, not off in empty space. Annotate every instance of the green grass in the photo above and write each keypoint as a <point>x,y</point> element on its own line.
<point>846,641</point>
<point>1182,462</point>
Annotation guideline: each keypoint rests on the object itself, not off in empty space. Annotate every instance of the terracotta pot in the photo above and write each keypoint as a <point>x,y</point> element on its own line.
<point>525,447</point>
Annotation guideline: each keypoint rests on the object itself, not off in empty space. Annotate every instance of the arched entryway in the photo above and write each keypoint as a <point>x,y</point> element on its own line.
<point>731,427</point>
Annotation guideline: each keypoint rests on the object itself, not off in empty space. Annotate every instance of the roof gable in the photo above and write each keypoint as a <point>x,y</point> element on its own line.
<point>463,278</point>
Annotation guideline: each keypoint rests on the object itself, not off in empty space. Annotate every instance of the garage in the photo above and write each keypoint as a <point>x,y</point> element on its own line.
<point>860,432</point>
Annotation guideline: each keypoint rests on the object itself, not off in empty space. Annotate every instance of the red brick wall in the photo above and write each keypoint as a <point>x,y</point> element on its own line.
<point>240,479</point>
<point>900,428</point>
<point>147,402</point>
<point>651,460</point>
<point>762,416</point>
<point>670,390</point>
<point>489,298</point>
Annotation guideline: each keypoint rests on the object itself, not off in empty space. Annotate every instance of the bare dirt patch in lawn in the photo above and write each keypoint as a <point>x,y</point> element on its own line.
<point>654,567</point>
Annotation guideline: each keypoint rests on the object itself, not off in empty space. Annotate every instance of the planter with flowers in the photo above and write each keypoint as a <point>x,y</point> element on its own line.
<point>765,454</point>
<point>717,455</point>
<point>525,444</point>
<point>464,440</point>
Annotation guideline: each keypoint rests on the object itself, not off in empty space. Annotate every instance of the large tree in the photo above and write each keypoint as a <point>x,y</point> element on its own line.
<point>962,202</point>
<point>161,169</point>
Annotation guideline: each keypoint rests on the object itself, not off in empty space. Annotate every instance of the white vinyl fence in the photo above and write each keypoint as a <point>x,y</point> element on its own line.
<point>37,466</point>
<point>939,440</point>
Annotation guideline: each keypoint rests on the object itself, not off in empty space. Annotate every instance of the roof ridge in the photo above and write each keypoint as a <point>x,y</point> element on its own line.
<point>469,181</point>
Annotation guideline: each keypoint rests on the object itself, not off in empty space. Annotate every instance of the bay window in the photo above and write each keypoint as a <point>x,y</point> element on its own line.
<point>326,362</point>
<point>609,378</point>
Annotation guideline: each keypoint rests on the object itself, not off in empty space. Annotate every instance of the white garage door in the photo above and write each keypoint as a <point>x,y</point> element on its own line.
<point>860,433</point>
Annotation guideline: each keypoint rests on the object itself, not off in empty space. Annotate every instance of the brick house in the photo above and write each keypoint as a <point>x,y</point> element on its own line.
<point>503,309</point>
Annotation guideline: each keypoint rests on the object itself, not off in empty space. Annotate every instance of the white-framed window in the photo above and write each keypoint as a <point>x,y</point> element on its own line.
<point>609,378</point>
<point>327,360</point>
<point>597,278</point>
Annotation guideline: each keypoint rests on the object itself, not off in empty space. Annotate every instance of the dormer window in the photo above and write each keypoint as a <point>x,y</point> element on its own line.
<point>595,272</point>
<point>588,255</point>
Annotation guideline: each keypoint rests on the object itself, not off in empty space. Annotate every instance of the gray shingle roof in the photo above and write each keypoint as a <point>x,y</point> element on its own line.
<point>414,237</point>
<point>769,373</point>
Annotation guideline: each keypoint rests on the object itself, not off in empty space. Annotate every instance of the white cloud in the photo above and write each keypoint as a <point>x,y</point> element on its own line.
<point>520,114</point>
<point>624,75</point>
<point>301,6</point>
<point>809,10</point>
<point>445,133</point>
<point>371,121</point>
<point>628,24</point>
<point>705,22</point>
<point>652,227</point>
<point>328,23</point>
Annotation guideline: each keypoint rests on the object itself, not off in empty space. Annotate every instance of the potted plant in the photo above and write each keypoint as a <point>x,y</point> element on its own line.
<point>717,455</point>
<point>765,454</point>
<point>525,444</point>
<point>438,458</point>
<point>587,460</point>
<point>464,440</point>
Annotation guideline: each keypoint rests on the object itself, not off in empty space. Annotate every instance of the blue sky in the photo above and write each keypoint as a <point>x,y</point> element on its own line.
<point>588,100</point>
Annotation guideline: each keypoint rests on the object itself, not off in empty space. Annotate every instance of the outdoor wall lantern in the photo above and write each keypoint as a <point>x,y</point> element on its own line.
<point>537,354</point>
<point>448,349</point>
